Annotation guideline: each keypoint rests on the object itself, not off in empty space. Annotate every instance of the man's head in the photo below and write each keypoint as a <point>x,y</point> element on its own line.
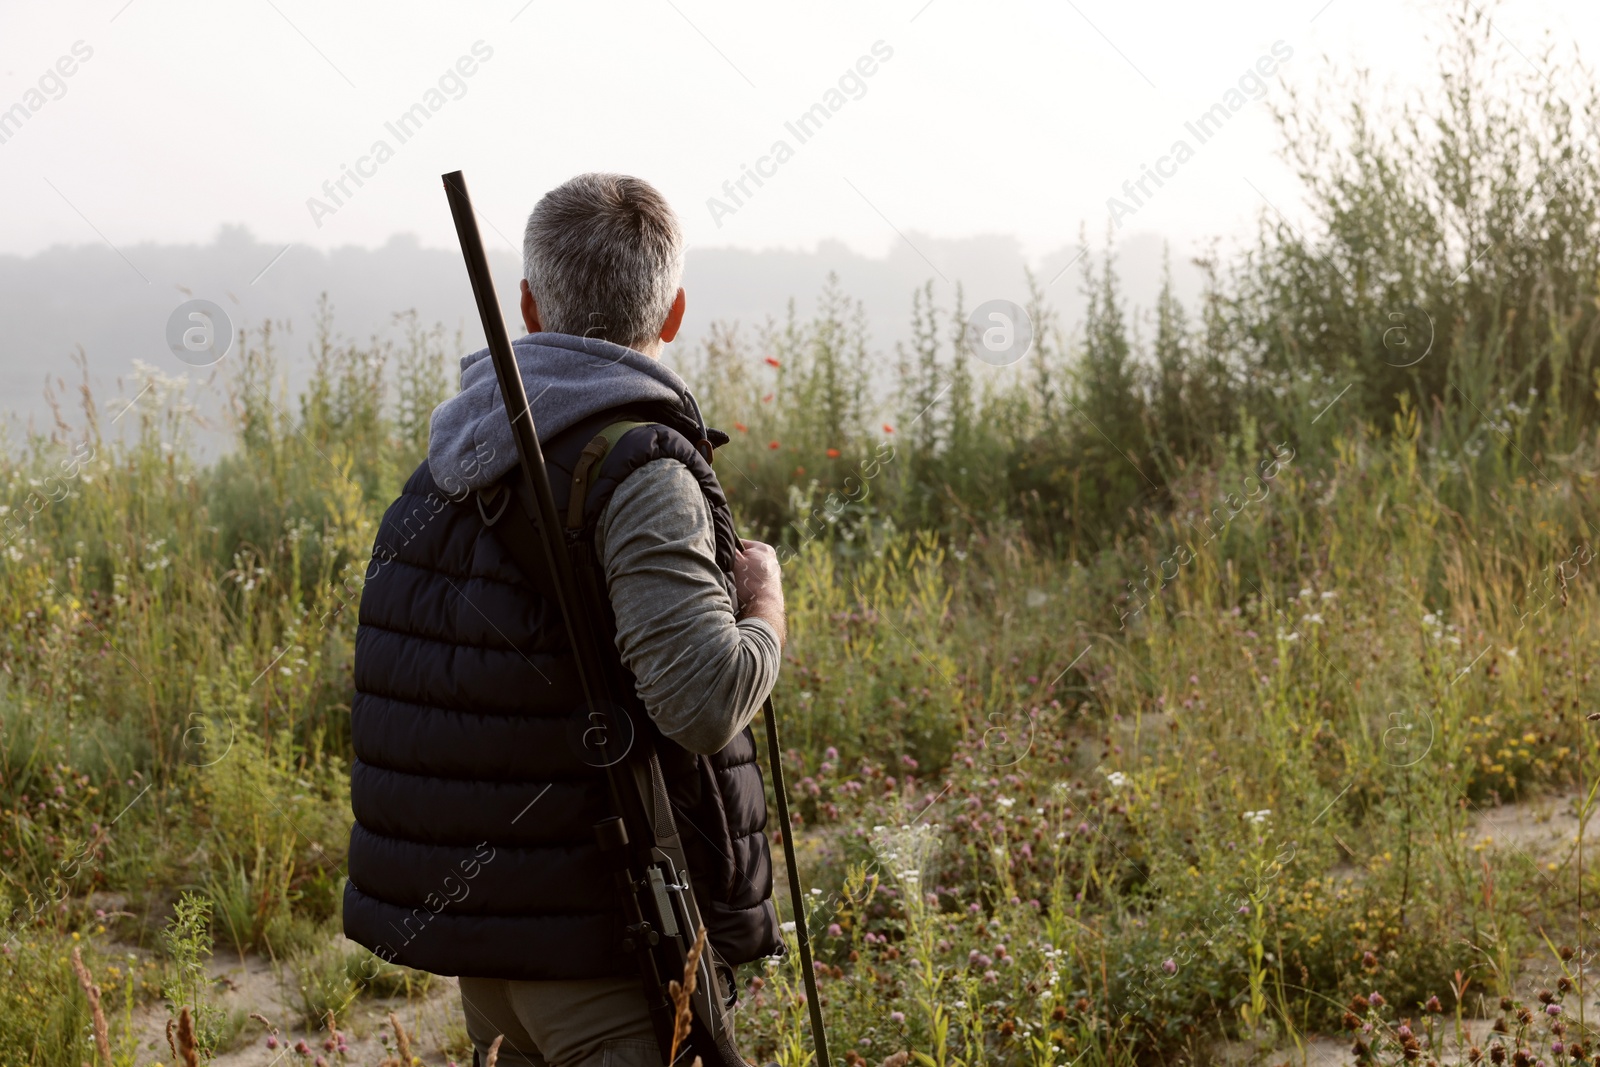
<point>602,257</point>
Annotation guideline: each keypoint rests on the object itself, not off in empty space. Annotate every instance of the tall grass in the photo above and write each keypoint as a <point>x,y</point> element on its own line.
<point>1132,704</point>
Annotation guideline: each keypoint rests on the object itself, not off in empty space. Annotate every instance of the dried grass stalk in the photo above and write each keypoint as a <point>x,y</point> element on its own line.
<point>102,1032</point>
<point>401,1041</point>
<point>682,994</point>
<point>188,1051</point>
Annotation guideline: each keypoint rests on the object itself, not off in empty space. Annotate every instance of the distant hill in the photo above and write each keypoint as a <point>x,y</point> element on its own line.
<point>117,308</point>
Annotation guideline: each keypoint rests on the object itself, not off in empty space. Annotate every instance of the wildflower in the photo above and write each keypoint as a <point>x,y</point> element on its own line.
<point>897,1017</point>
<point>1552,1010</point>
<point>1256,818</point>
<point>768,398</point>
<point>1433,1005</point>
<point>272,1041</point>
<point>1376,999</point>
<point>887,428</point>
<point>1369,960</point>
<point>1116,779</point>
<point>1005,802</point>
<point>773,445</point>
<point>1169,965</point>
<point>772,361</point>
<point>741,427</point>
<point>833,453</point>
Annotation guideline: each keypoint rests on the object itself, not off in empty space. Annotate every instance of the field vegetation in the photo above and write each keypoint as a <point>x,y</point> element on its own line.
<point>1149,700</point>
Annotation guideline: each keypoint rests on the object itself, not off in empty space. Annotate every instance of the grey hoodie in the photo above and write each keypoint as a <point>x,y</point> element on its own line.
<point>701,671</point>
<point>568,378</point>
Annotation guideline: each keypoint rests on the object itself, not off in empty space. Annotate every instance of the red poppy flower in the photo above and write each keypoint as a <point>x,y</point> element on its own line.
<point>833,453</point>
<point>772,445</point>
<point>799,472</point>
<point>887,428</point>
<point>741,427</point>
<point>767,399</point>
<point>772,361</point>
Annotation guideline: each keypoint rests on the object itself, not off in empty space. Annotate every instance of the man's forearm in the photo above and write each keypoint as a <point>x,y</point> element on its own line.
<point>769,609</point>
<point>701,671</point>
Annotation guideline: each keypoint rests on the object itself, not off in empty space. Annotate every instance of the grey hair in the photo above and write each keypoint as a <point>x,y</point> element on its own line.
<point>603,256</point>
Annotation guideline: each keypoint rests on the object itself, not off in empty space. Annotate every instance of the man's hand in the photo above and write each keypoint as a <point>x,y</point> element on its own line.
<point>759,582</point>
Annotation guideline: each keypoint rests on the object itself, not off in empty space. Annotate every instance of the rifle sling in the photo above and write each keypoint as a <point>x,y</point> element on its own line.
<point>519,536</point>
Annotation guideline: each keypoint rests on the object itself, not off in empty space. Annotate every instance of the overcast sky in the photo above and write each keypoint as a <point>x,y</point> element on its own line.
<point>1005,116</point>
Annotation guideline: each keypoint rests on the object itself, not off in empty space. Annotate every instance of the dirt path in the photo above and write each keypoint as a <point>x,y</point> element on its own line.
<point>433,1021</point>
<point>1541,832</point>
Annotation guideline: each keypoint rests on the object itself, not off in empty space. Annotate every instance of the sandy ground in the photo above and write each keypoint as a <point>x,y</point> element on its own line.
<point>433,1022</point>
<point>1542,833</point>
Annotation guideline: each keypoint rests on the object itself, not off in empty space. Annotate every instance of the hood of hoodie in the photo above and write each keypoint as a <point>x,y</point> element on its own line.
<point>567,379</point>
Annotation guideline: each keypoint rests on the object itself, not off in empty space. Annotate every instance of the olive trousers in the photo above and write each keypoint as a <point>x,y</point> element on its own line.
<point>589,1023</point>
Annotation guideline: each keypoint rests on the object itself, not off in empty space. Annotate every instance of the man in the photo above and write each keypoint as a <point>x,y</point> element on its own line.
<point>473,852</point>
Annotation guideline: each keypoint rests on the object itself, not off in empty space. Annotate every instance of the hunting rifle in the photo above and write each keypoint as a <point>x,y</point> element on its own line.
<point>639,839</point>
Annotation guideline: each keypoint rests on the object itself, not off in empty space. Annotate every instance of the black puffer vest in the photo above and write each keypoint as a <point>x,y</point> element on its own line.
<point>473,851</point>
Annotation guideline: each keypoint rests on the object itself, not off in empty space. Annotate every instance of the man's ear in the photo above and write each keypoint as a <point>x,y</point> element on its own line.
<point>530,310</point>
<point>669,330</point>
